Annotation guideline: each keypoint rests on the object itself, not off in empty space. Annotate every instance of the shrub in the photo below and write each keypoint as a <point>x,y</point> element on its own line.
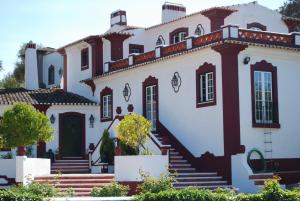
<point>37,189</point>
<point>112,190</point>
<point>133,130</point>
<point>13,196</point>
<point>22,125</point>
<point>107,148</point>
<point>8,155</point>
<point>153,185</point>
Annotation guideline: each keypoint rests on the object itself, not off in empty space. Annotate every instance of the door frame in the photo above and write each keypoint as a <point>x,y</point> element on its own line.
<point>66,114</point>
<point>150,81</point>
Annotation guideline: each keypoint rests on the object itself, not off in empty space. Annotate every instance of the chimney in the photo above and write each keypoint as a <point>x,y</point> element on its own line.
<point>31,68</point>
<point>118,17</point>
<point>172,11</point>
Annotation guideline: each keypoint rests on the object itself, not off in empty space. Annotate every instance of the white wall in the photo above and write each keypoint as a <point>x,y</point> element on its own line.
<point>75,74</point>
<point>128,168</point>
<point>8,167</point>
<point>286,139</point>
<point>199,129</point>
<point>253,12</point>
<point>56,60</point>
<point>92,134</point>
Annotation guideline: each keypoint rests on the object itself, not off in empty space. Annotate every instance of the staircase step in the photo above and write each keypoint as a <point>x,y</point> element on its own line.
<point>180,165</point>
<point>71,161</point>
<point>196,179</point>
<point>200,183</point>
<point>205,187</point>
<point>176,157</point>
<point>75,181</point>
<point>195,174</point>
<point>78,176</point>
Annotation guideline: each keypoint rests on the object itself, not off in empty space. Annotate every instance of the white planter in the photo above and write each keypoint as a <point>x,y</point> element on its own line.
<point>128,168</point>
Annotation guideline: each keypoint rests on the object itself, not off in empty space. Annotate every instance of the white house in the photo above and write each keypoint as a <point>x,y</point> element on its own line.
<point>216,84</point>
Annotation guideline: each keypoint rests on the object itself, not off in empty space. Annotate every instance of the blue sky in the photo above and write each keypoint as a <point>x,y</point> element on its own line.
<point>55,23</point>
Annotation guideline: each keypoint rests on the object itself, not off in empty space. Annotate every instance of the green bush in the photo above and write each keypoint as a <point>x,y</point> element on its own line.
<point>36,189</point>
<point>112,190</point>
<point>271,192</point>
<point>13,196</point>
<point>107,148</point>
<point>154,185</point>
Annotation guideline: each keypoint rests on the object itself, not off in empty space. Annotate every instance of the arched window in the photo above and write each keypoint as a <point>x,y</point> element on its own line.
<point>199,30</point>
<point>160,40</point>
<point>256,26</point>
<point>178,35</point>
<point>51,75</point>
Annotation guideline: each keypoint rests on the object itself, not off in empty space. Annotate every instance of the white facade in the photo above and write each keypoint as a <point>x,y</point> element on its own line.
<point>56,60</point>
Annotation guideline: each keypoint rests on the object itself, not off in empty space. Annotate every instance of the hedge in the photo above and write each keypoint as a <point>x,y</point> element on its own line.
<point>13,196</point>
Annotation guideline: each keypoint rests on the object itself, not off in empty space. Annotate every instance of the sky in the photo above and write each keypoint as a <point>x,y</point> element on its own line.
<point>54,23</point>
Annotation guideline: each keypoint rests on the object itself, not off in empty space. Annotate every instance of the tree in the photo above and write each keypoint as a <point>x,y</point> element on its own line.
<point>19,71</point>
<point>22,125</point>
<point>107,148</point>
<point>1,67</point>
<point>291,8</point>
<point>133,130</point>
<point>9,81</point>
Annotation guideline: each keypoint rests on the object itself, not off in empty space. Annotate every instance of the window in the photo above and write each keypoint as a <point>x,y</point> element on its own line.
<point>134,48</point>
<point>51,75</point>
<point>106,98</point>
<point>256,26</point>
<point>264,95</point>
<point>84,58</point>
<point>206,85</point>
<point>150,100</point>
<point>178,35</point>
<point>160,41</point>
<point>199,30</point>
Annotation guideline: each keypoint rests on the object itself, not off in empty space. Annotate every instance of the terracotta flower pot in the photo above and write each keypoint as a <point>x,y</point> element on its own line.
<point>21,151</point>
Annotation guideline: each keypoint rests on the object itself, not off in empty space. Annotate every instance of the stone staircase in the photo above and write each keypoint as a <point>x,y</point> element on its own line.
<point>81,184</point>
<point>186,175</point>
<point>70,166</point>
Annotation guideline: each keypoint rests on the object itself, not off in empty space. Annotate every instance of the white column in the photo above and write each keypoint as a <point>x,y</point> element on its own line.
<point>31,68</point>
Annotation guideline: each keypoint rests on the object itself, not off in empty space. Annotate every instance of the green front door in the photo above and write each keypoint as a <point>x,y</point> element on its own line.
<point>72,135</point>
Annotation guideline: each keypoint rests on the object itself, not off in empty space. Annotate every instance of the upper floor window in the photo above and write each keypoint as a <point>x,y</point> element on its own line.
<point>51,75</point>
<point>256,26</point>
<point>264,95</point>
<point>205,85</point>
<point>160,41</point>
<point>106,97</point>
<point>199,30</point>
<point>178,35</point>
<point>84,58</point>
<point>135,48</point>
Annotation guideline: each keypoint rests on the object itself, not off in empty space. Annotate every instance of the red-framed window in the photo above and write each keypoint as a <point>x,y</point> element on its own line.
<point>178,35</point>
<point>135,48</point>
<point>106,99</point>
<point>206,85</point>
<point>84,58</point>
<point>264,95</point>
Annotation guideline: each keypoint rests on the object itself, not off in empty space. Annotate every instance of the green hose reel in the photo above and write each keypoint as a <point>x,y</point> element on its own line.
<point>262,159</point>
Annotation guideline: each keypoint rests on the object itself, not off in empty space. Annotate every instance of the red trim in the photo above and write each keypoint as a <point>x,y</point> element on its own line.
<point>97,55</point>
<point>116,42</point>
<point>205,68</point>
<point>104,92</point>
<point>130,108</point>
<point>150,81</point>
<point>292,24</point>
<point>65,73</point>
<point>257,25</point>
<point>61,116</point>
<point>85,52</point>
<point>91,84</point>
<point>267,67</point>
<point>176,31</point>
<point>136,46</point>
<point>217,16</point>
<point>174,7</point>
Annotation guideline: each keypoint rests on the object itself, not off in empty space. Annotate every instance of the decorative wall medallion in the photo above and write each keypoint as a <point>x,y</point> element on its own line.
<point>130,108</point>
<point>127,92</point>
<point>119,110</point>
<point>176,82</point>
<point>199,30</point>
<point>160,40</point>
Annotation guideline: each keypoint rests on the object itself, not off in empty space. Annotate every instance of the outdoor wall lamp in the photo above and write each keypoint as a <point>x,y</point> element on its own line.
<point>52,119</point>
<point>126,92</point>
<point>92,120</point>
<point>246,60</point>
<point>176,82</point>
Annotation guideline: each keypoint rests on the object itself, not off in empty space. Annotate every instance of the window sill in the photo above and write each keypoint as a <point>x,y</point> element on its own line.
<point>206,104</point>
<point>106,119</point>
<point>84,67</point>
<point>260,125</point>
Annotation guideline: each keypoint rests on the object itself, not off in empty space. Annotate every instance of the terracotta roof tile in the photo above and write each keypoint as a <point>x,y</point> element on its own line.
<point>42,97</point>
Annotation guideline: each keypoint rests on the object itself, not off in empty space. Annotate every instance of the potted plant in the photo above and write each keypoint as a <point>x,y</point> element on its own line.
<point>107,151</point>
<point>22,125</point>
<point>133,133</point>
